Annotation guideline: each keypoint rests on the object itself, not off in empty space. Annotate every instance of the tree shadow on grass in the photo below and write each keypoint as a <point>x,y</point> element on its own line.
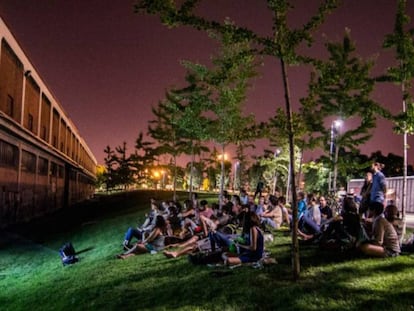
<point>85,250</point>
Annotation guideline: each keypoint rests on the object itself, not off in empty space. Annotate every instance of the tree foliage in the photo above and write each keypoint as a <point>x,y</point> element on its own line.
<point>282,44</point>
<point>341,86</point>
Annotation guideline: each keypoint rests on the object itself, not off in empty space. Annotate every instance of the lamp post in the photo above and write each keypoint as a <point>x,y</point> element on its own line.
<point>236,172</point>
<point>222,157</point>
<point>275,155</point>
<point>333,154</point>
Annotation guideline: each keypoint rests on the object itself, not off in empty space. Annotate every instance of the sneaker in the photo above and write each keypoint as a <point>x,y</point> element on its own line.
<point>126,246</point>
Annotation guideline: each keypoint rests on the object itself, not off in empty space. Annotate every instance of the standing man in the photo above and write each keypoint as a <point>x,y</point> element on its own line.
<point>379,185</point>
<point>365,194</point>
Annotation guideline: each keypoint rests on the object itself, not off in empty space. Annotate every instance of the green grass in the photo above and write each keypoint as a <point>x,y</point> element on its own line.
<point>33,278</point>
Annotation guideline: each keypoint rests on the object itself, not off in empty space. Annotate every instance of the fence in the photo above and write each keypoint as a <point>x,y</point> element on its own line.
<point>394,190</point>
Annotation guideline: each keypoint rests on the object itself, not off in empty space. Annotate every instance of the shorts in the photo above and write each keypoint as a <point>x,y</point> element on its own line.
<point>247,257</point>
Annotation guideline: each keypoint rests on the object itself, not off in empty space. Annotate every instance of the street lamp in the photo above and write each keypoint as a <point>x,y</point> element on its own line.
<point>333,154</point>
<point>236,171</point>
<point>275,155</point>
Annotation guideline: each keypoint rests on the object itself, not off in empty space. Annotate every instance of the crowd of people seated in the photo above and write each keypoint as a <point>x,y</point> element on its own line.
<point>236,226</point>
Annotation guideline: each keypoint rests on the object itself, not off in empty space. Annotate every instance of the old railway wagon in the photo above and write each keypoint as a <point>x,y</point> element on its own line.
<point>44,162</point>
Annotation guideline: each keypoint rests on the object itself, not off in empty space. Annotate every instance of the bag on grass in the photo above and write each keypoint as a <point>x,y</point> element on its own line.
<point>67,254</point>
<point>204,258</point>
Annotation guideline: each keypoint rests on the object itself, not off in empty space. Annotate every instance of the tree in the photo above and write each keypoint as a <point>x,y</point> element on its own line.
<point>276,168</point>
<point>316,176</point>
<point>164,129</point>
<point>403,74</point>
<point>340,88</point>
<point>110,177</point>
<point>192,125</point>
<point>143,159</point>
<point>100,176</point>
<point>124,173</point>
<point>226,84</point>
<point>282,44</point>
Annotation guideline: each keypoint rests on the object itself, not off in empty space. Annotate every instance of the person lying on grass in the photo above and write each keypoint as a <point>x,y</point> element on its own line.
<point>153,242</point>
<point>253,250</point>
<point>384,241</point>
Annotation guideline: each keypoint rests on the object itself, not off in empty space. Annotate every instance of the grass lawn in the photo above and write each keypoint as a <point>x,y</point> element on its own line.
<point>33,278</point>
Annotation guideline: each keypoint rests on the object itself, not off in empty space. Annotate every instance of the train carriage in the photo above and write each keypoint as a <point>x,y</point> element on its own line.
<point>44,162</point>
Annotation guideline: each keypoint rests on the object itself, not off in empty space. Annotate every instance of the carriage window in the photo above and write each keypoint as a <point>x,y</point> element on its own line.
<point>9,154</point>
<point>28,162</point>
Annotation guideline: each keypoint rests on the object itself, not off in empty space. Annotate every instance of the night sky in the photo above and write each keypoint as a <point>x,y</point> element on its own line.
<point>107,66</point>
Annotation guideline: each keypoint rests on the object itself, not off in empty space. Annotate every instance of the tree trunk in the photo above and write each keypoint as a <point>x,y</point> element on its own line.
<point>335,173</point>
<point>405,146</point>
<point>221,178</point>
<point>191,173</point>
<point>175,178</point>
<point>295,242</point>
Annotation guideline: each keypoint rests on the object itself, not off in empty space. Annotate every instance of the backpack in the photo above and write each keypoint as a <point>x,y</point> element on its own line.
<point>67,254</point>
<point>204,258</point>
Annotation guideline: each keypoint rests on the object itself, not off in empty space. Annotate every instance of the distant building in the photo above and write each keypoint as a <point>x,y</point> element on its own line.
<point>44,162</point>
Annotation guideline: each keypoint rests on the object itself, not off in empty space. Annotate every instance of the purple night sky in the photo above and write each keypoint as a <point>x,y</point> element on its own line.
<point>107,66</point>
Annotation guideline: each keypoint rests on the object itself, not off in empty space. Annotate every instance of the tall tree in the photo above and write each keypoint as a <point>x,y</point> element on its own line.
<point>192,124</point>
<point>110,178</point>
<point>282,44</point>
<point>164,129</point>
<point>143,158</point>
<point>340,88</point>
<point>226,83</point>
<point>123,162</point>
<point>402,74</point>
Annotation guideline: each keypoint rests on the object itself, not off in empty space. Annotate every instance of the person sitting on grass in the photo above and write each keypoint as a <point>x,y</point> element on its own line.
<point>392,214</point>
<point>153,242</point>
<point>342,231</point>
<point>146,227</point>
<point>277,214</point>
<point>191,222</point>
<point>253,249</point>
<point>310,222</point>
<point>193,244</point>
<point>384,241</point>
<point>326,211</point>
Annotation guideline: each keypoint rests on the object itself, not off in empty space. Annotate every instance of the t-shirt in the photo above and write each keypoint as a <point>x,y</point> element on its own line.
<point>378,187</point>
<point>301,208</point>
<point>385,235</point>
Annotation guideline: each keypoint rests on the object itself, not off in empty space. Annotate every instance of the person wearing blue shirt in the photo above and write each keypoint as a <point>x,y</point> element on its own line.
<point>301,204</point>
<point>379,185</point>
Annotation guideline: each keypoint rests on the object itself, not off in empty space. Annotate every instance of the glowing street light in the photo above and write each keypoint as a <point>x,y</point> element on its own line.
<point>333,153</point>
<point>275,155</point>
<point>220,157</point>
<point>236,171</point>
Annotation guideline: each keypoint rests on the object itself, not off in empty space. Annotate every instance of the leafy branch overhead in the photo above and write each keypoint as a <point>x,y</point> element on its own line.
<point>403,73</point>
<point>341,86</point>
